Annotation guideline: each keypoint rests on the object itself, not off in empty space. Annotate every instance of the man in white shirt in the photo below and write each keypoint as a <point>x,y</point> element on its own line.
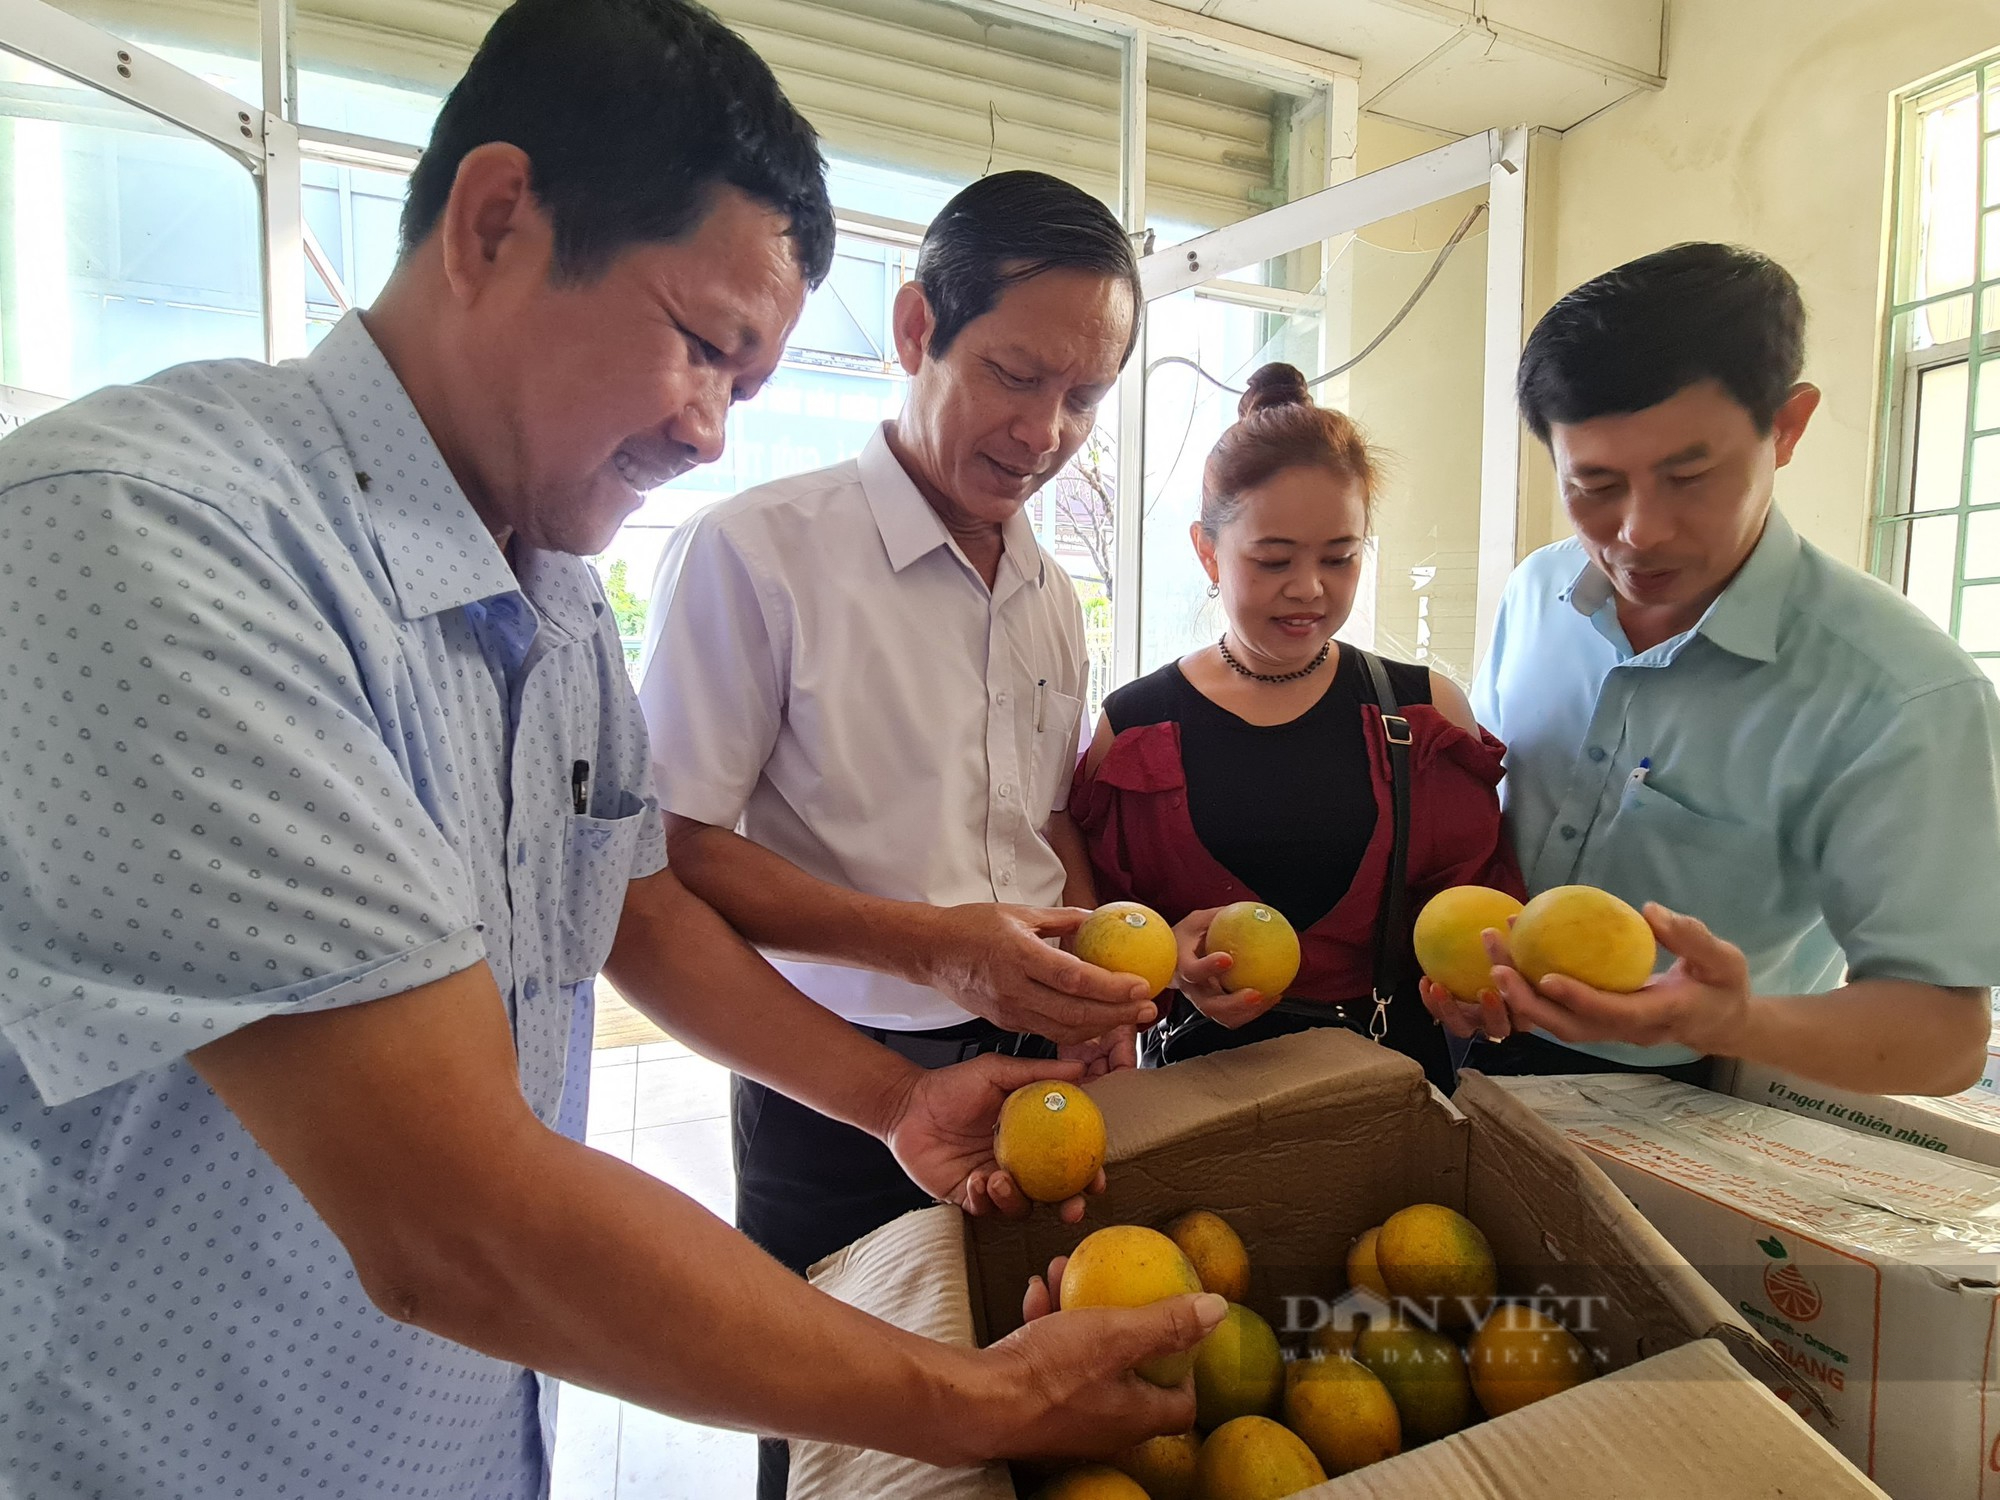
<point>877,674</point>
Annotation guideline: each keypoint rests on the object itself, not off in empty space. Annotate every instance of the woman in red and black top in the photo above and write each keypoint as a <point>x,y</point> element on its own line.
<point>1257,768</point>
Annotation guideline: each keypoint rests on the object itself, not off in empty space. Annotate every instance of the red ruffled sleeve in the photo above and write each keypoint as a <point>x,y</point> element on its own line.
<point>1132,811</point>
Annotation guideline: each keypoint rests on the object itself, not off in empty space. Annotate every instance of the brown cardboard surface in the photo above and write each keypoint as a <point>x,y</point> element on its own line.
<point>1685,1425</point>
<point>1301,1143</point>
<point>1651,1297</point>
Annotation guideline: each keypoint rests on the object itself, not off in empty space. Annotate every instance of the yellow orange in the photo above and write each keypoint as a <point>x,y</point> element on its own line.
<point>1239,1371</point>
<point>1425,1376</point>
<point>1447,936</point>
<point>1164,1466</point>
<point>1362,1271</point>
<point>1050,1138</point>
<point>1216,1251</point>
<point>1440,1261</point>
<point>1092,1482</point>
<point>1128,938</point>
<point>1343,1411</point>
<point>1520,1355</point>
<point>1126,1265</point>
<point>1586,934</point>
<point>1254,1458</point>
<point>1262,944</point>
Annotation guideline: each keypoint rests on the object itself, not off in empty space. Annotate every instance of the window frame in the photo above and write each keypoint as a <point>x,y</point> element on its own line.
<point>1902,371</point>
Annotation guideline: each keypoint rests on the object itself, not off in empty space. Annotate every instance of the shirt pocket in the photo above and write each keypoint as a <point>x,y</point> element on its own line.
<point>1055,750</point>
<point>597,866</point>
<point>1727,873</point>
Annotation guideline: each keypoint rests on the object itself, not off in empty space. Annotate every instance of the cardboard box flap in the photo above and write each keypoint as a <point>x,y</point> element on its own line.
<point>1249,1133</point>
<point>1685,1423</point>
<point>1876,1196</point>
<point>1515,1163</point>
<point>910,1272</point>
<point>1320,1072</point>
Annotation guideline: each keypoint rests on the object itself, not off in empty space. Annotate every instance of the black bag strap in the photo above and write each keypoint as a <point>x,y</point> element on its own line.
<point>1392,921</point>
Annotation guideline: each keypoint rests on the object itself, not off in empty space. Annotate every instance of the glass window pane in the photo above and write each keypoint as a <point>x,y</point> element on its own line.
<point>1982,544</point>
<point>1220,148</point>
<point>1941,184</point>
<point>1989,252</point>
<point>1929,564</point>
<point>913,99</point>
<point>1938,445</point>
<point>131,245</point>
<point>1185,414</point>
<point>1946,322</point>
<point>379,80</point>
<point>1076,516</point>
<point>355,213</point>
<point>1979,618</point>
<point>1985,472</point>
<point>1987,402</point>
<point>1417,399</point>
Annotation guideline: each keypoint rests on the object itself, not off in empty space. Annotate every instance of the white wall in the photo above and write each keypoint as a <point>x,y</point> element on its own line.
<point>1773,131</point>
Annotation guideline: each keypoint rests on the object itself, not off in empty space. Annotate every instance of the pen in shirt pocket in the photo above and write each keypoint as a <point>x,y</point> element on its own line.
<point>579,787</point>
<point>1041,705</point>
<point>1641,771</point>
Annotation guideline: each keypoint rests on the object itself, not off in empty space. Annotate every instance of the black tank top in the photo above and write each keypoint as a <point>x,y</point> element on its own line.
<point>1288,809</point>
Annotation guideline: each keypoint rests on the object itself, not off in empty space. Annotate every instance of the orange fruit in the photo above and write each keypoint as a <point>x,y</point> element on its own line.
<point>1362,1271</point>
<point>1126,1265</point>
<point>1216,1251</point>
<point>1262,943</point>
<point>1439,1260</point>
<point>1164,1466</point>
<point>1092,1482</point>
<point>1343,1411</point>
<point>1584,933</point>
<point>1128,938</point>
<point>1254,1458</point>
<point>1051,1139</point>
<point>1447,936</point>
<point>1521,1355</point>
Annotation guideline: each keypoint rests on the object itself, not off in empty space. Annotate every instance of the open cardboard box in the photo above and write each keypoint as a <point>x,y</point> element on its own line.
<point>1302,1143</point>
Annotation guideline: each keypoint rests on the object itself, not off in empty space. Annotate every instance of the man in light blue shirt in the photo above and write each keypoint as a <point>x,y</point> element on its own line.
<point>323,797</point>
<point>1705,712</point>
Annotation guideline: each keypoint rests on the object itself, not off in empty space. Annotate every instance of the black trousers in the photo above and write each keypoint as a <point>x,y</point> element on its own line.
<point>807,1185</point>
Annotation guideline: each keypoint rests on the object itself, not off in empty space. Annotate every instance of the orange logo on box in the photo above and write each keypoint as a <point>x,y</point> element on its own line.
<point>1792,1293</point>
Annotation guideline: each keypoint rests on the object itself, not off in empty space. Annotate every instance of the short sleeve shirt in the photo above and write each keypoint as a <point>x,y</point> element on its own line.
<point>826,668</point>
<point>1813,770</point>
<point>280,730</point>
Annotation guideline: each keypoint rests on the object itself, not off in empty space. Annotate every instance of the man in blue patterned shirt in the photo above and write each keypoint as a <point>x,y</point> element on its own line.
<point>323,796</point>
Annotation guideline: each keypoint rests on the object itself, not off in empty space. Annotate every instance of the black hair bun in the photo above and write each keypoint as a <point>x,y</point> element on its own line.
<point>1274,385</point>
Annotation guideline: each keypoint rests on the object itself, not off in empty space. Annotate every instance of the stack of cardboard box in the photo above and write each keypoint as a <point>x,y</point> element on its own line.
<point>1871,1266</point>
